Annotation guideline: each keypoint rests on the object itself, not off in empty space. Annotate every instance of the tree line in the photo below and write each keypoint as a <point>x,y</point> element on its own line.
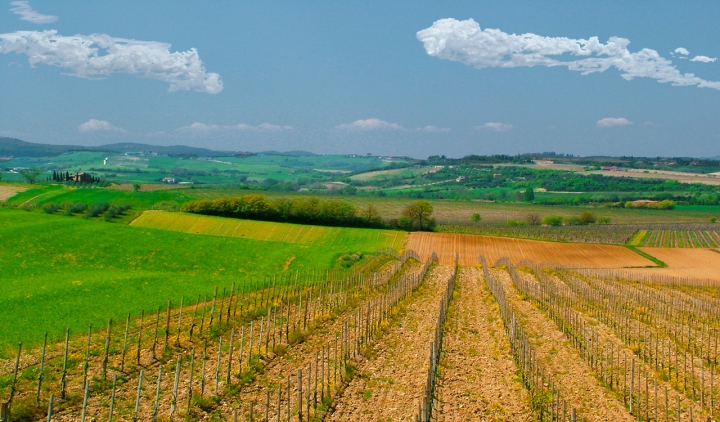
<point>311,210</point>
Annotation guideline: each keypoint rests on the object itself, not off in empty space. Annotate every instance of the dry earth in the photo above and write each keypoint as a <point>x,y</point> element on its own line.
<point>570,254</point>
<point>570,373</point>
<point>7,192</point>
<point>390,383</point>
<point>478,375</point>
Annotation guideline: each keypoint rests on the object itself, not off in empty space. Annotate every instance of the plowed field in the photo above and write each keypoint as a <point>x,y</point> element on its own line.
<point>469,247</point>
<point>9,191</point>
<point>686,262</point>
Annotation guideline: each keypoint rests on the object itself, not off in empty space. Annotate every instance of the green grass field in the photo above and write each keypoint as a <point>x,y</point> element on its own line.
<point>60,272</point>
<point>341,238</point>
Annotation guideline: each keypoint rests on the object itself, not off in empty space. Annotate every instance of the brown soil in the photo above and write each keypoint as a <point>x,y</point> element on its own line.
<point>571,375</point>
<point>569,254</point>
<point>478,375</point>
<point>685,262</point>
<point>390,383</point>
<point>7,192</point>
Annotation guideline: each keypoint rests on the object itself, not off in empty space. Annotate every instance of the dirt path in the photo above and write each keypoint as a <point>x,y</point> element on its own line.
<point>390,383</point>
<point>570,373</point>
<point>478,380</point>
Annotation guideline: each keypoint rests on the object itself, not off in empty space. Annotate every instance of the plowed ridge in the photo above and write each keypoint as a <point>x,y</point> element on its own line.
<point>390,384</point>
<point>478,372</point>
<point>469,247</point>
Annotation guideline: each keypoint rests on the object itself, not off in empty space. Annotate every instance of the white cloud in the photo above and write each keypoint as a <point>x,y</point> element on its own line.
<point>682,51</point>
<point>433,129</point>
<point>496,126</point>
<point>613,121</point>
<point>98,56</point>
<point>94,125</point>
<point>369,124</point>
<point>26,13</point>
<point>704,59</point>
<point>465,42</point>
<point>242,127</point>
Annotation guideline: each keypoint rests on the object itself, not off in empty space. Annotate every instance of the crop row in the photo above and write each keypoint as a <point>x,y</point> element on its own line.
<point>681,238</point>
<point>656,349</point>
<point>213,348</point>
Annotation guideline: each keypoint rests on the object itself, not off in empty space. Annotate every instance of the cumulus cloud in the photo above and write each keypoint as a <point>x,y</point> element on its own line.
<point>495,126</point>
<point>465,42</point>
<point>682,51</point>
<point>94,125</point>
<point>242,127</point>
<point>433,129</point>
<point>98,56</point>
<point>369,124</point>
<point>613,121</point>
<point>704,59</point>
<point>26,13</point>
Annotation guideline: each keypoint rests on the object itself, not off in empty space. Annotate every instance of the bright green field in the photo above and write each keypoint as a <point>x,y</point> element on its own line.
<point>342,238</point>
<point>60,272</point>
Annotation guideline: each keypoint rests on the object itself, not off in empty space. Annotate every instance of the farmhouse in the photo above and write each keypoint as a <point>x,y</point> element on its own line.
<point>460,179</point>
<point>82,177</point>
<point>170,180</point>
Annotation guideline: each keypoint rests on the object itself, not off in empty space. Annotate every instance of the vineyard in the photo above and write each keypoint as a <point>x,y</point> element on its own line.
<point>398,339</point>
<point>606,234</point>
<point>679,238</point>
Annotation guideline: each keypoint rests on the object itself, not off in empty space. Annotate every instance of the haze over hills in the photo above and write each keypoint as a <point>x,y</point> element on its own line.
<point>18,148</point>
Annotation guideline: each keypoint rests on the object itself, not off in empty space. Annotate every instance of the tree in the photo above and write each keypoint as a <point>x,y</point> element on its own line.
<point>476,218</point>
<point>136,187</point>
<point>528,195</point>
<point>372,216</point>
<point>419,215</point>
<point>31,175</point>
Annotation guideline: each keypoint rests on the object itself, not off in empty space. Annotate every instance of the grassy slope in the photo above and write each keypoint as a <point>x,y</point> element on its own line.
<point>62,272</point>
<point>344,238</point>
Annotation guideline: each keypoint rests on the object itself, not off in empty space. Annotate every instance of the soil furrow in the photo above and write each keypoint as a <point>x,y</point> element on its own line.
<point>478,375</point>
<point>570,373</point>
<point>391,381</point>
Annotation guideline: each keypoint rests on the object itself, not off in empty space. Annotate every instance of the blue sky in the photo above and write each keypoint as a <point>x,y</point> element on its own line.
<point>359,77</point>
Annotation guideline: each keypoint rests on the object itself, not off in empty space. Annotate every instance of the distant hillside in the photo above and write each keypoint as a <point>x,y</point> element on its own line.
<point>18,148</point>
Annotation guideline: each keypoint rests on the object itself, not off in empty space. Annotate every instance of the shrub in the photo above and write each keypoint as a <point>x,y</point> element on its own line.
<point>534,219</point>
<point>75,208</point>
<point>50,208</point>
<point>712,219</point>
<point>96,209</point>
<point>476,218</point>
<point>552,220</point>
<point>515,223</point>
<point>166,206</point>
<point>116,211</point>
<point>587,218</point>
<point>572,221</point>
<point>604,220</point>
